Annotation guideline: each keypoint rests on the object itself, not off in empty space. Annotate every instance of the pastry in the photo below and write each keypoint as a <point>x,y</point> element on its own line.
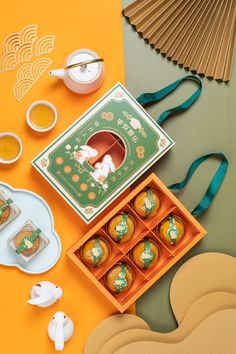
<point>171,230</point>
<point>147,203</point>
<point>119,278</point>
<point>27,242</point>
<point>145,254</point>
<point>4,210</point>
<point>95,251</point>
<point>121,227</point>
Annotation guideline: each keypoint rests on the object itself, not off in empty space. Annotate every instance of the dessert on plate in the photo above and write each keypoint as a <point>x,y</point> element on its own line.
<point>28,241</point>
<point>8,210</point>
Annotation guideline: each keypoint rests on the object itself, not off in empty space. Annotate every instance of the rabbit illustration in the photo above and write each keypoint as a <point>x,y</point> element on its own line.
<point>84,154</point>
<point>60,329</point>
<point>102,169</point>
<point>44,294</point>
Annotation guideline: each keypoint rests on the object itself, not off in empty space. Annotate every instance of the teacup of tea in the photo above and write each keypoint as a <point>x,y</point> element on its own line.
<point>10,148</point>
<point>41,116</point>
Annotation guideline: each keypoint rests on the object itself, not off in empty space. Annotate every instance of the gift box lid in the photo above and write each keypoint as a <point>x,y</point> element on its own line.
<point>102,153</point>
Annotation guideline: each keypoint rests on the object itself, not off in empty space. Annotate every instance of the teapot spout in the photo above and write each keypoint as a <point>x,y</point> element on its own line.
<point>60,73</point>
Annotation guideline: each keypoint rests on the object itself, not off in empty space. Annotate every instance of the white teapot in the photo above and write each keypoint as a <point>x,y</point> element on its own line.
<point>83,71</point>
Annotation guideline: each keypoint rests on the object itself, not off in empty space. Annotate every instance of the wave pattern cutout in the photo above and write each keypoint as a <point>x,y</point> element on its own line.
<point>28,34</point>
<point>44,45</point>
<point>8,62</point>
<point>28,74</point>
<point>24,53</point>
<point>11,43</point>
<point>18,47</point>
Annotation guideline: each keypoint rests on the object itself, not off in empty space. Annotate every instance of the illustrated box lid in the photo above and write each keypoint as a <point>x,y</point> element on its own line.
<point>102,153</point>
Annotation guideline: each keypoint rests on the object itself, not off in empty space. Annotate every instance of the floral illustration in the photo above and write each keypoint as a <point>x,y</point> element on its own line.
<point>135,123</point>
<point>163,143</point>
<point>44,162</point>
<point>88,210</point>
<point>118,94</point>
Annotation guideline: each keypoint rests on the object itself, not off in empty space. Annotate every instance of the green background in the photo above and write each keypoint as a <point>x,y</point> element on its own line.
<point>209,126</point>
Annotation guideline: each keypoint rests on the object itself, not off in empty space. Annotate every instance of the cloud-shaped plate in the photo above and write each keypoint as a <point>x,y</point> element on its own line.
<point>32,208</point>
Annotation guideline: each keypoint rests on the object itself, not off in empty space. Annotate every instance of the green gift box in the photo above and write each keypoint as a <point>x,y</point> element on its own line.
<point>102,153</point>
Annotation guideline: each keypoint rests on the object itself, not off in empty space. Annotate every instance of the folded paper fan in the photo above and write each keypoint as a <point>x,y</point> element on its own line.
<point>196,34</point>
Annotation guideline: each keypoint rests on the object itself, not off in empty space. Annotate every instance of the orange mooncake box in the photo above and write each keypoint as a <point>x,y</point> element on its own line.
<point>8,210</point>
<point>28,241</point>
<point>149,231</point>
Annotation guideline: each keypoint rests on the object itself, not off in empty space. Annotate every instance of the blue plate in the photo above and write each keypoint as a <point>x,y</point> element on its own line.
<point>32,208</point>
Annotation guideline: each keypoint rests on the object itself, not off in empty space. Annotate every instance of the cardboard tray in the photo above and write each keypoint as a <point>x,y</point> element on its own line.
<point>169,255</point>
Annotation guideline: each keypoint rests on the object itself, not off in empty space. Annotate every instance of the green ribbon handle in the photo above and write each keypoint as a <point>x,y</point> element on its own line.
<point>24,245</point>
<point>148,98</point>
<point>214,185</point>
<point>4,206</point>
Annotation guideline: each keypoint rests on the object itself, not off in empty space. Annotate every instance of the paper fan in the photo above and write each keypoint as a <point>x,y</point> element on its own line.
<point>196,34</point>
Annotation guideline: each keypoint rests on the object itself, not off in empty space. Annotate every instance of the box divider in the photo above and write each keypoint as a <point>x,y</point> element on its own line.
<point>99,156</point>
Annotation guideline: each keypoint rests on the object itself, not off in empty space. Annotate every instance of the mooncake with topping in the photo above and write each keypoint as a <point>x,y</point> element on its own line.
<point>95,252</point>
<point>121,227</point>
<point>147,203</point>
<point>119,278</point>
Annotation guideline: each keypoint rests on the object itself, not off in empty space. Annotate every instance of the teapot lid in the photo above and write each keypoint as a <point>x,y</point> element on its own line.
<point>87,73</point>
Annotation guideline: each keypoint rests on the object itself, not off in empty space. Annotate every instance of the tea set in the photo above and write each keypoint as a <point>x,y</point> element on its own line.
<point>83,73</point>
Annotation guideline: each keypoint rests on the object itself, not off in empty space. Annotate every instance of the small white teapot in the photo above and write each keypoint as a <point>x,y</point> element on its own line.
<point>83,71</point>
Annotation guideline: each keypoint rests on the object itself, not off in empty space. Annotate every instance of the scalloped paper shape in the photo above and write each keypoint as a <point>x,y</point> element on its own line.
<point>28,74</point>
<point>33,208</point>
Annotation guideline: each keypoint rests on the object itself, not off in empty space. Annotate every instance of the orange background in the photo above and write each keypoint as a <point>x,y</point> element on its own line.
<point>94,24</point>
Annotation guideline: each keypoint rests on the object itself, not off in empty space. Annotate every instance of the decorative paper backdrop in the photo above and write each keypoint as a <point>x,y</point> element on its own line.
<point>196,34</point>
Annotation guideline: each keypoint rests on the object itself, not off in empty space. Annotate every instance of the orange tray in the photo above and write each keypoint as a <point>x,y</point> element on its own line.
<point>169,255</point>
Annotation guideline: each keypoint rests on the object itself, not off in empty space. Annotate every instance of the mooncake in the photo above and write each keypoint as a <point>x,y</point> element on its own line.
<point>121,227</point>
<point>95,252</point>
<point>145,254</point>
<point>171,230</point>
<point>119,278</point>
<point>147,203</point>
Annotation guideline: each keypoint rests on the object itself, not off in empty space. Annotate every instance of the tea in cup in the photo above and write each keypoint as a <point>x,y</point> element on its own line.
<point>41,116</point>
<point>10,148</point>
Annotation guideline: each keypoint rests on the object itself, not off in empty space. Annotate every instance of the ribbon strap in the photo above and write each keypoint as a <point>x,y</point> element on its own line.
<point>148,98</point>
<point>213,187</point>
